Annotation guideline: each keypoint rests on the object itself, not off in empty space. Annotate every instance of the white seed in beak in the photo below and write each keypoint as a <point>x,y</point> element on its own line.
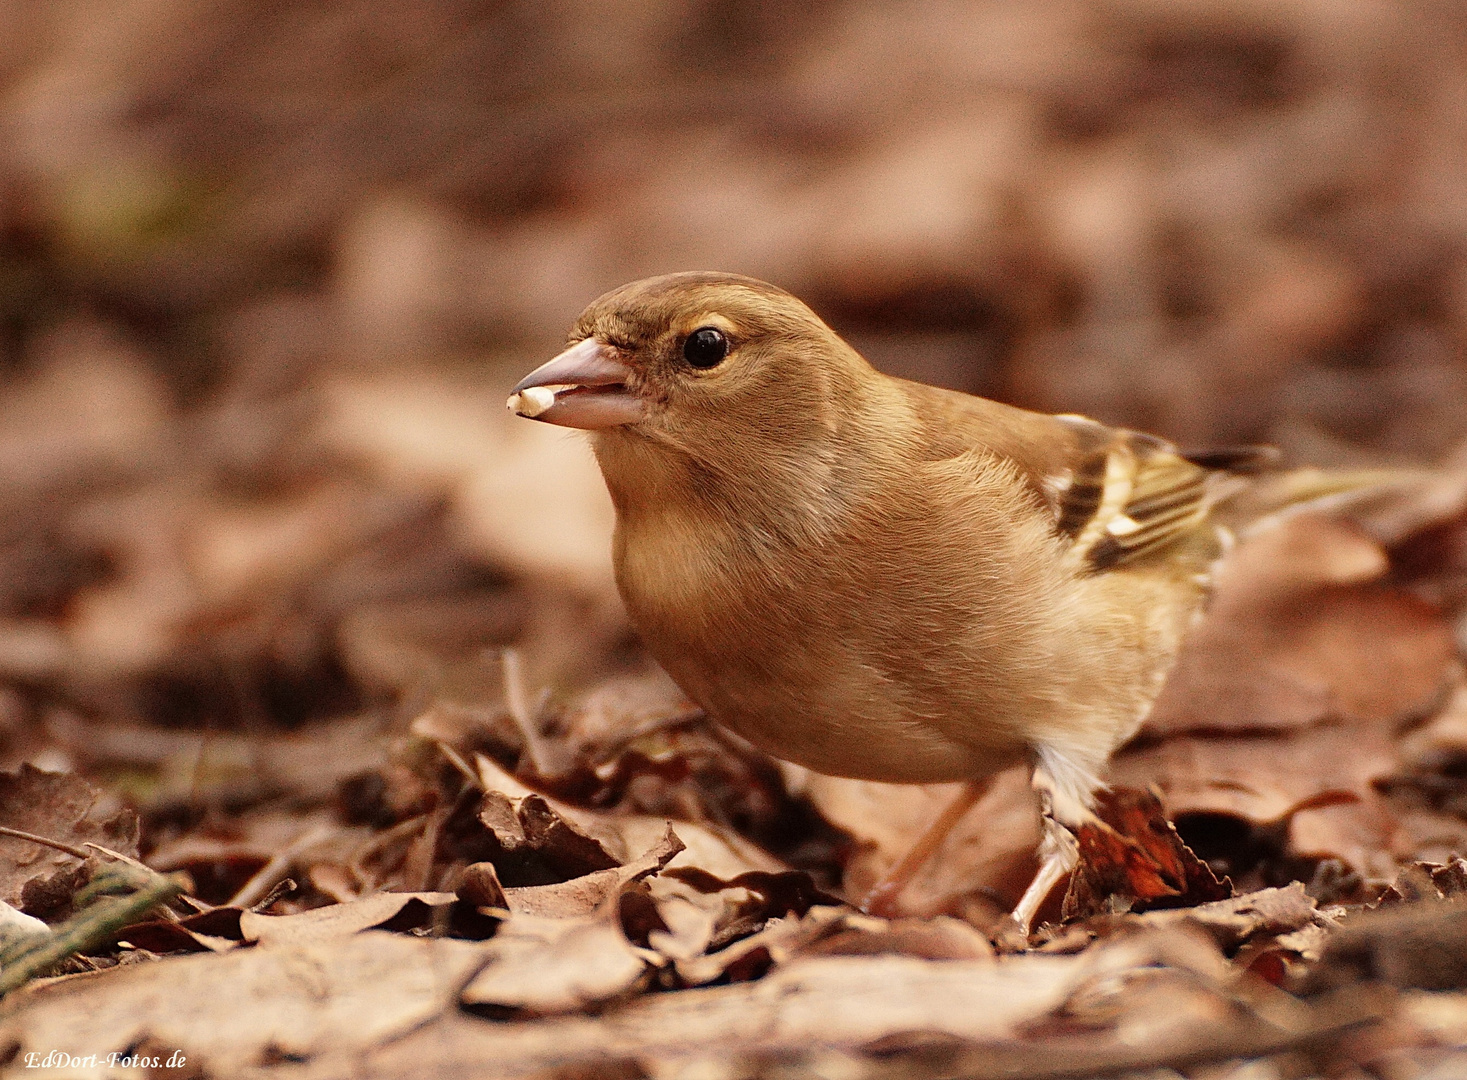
<point>531,401</point>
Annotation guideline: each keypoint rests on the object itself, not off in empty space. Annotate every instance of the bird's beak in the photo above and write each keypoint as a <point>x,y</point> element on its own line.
<point>583,387</point>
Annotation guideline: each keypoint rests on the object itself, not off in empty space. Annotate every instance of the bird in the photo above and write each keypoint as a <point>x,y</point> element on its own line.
<point>875,578</point>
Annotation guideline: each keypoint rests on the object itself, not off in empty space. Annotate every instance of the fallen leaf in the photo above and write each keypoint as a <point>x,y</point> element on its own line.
<point>1131,858</point>
<point>91,402</point>
<point>339,920</point>
<point>1428,881</point>
<point>1301,630</point>
<point>583,895</point>
<point>223,861</point>
<point>249,1005</point>
<point>60,807</point>
<point>215,930</point>
<point>687,919</point>
<point>562,946</point>
<point>306,764</point>
<point>595,836</point>
<point>1421,946</point>
<point>421,641</point>
<point>623,709</point>
<point>776,943</point>
<point>1440,1015</point>
<point>536,835</point>
<point>547,965</point>
<point>1263,778</point>
<point>1440,744</point>
<point>479,885</point>
<point>571,899</point>
<point>1267,913</point>
<point>1155,996</point>
<point>941,938</point>
<point>710,847</point>
<point>526,496</point>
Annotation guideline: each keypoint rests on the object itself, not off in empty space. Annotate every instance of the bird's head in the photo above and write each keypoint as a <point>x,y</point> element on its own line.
<point>710,364</point>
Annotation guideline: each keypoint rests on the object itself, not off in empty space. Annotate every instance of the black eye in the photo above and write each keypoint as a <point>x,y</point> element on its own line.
<point>705,348</point>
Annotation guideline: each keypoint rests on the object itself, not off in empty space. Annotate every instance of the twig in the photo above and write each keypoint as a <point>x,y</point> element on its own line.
<point>119,856</point>
<point>546,758</point>
<point>251,892</point>
<point>283,887</point>
<point>76,852</point>
<point>357,865</point>
<point>457,761</point>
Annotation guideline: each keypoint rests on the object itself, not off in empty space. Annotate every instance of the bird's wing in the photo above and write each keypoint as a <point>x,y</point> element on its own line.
<point>1119,497</point>
<point>1135,496</point>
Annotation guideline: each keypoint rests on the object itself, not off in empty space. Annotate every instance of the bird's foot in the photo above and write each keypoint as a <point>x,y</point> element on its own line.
<point>881,899</point>
<point>1059,851</point>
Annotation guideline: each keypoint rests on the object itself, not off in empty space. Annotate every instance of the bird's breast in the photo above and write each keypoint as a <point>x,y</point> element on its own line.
<point>788,649</point>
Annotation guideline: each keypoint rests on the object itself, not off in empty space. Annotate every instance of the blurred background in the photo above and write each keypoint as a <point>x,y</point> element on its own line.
<point>268,269</point>
<point>1216,219</point>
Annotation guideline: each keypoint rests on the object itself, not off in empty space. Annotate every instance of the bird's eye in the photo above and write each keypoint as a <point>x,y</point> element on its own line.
<point>705,348</point>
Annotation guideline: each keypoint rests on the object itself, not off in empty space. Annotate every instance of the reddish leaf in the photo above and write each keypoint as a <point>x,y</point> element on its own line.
<point>1131,858</point>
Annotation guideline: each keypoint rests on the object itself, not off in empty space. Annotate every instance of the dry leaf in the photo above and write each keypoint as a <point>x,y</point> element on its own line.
<point>60,807</point>
<point>224,862</point>
<point>339,920</point>
<point>890,1003</point>
<point>1301,630</point>
<point>687,919</point>
<point>576,898</point>
<point>257,481</point>
<point>250,1006</point>
<point>718,850</point>
<point>308,763</point>
<point>524,823</point>
<point>528,497</point>
<point>615,712</point>
<point>1267,913</point>
<point>552,965</point>
<point>751,957</point>
<point>1442,1016</point>
<point>1264,778</point>
<point>1131,858</point>
<point>942,938</point>
<point>1421,946</point>
<point>215,930</point>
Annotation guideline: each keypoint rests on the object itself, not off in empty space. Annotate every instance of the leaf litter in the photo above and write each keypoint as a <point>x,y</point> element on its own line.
<point>549,945</point>
<point>518,859</point>
<point>547,862</point>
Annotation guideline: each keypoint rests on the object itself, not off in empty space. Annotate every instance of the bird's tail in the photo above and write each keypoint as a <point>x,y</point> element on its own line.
<point>1256,492</point>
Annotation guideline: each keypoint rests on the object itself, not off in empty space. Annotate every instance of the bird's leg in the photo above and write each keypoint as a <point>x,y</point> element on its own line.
<point>1067,788</point>
<point>1058,854</point>
<point>881,899</point>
